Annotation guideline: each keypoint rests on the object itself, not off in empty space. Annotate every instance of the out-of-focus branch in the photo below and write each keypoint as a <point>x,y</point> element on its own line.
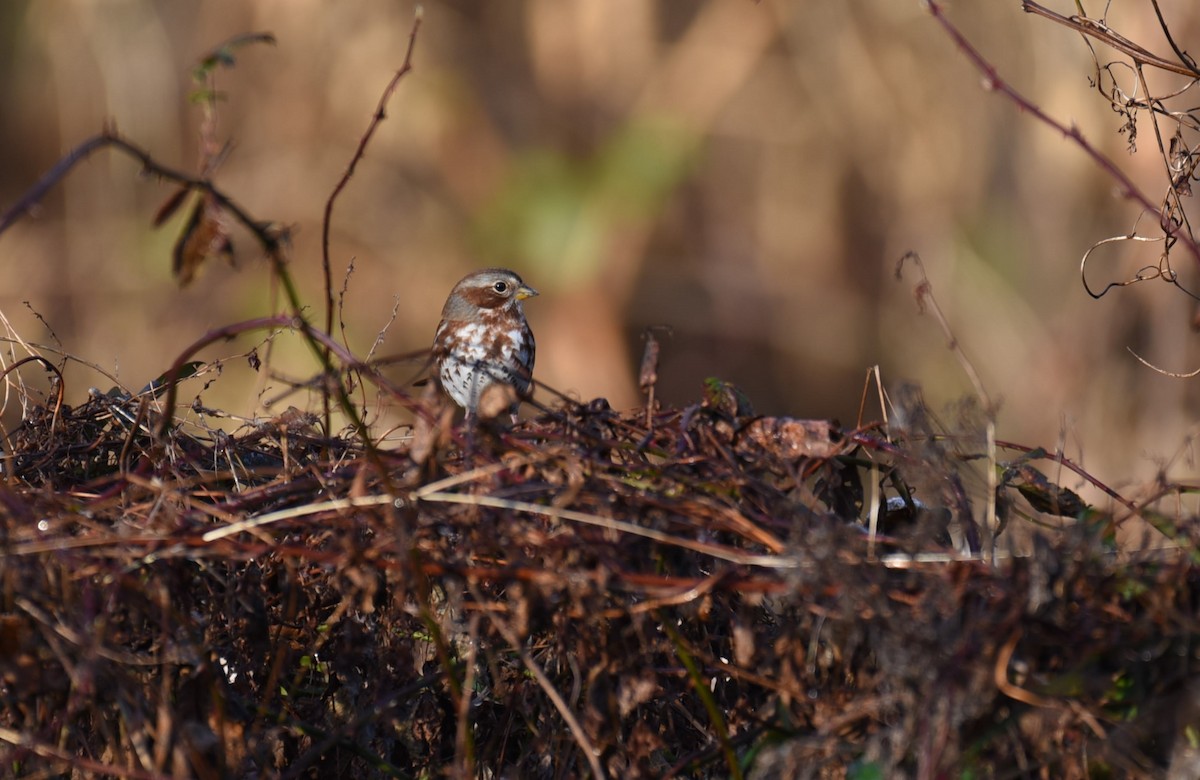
<point>270,239</point>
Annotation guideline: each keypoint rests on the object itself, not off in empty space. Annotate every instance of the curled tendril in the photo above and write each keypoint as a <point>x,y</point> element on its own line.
<point>1162,270</point>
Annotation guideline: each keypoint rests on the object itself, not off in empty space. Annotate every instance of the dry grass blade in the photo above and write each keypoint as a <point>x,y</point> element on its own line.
<point>764,561</point>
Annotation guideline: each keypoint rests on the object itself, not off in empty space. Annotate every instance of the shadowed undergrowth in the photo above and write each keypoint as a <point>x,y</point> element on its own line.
<point>687,593</point>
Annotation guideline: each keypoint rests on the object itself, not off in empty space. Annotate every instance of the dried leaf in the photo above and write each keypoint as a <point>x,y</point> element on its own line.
<point>788,439</point>
<point>170,206</point>
<point>648,375</point>
<point>1042,494</point>
<point>159,384</point>
<point>496,400</point>
<point>203,237</point>
<point>430,430</point>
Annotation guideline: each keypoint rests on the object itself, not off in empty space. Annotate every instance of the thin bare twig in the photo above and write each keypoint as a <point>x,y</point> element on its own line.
<point>174,373</point>
<point>1163,371</point>
<point>376,119</point>
<point>926,300</point>
<point>1117,41</point>
<point>716,551</point>
<point>75,763</point>
<point>1180,53</point>
<point>585,745</point>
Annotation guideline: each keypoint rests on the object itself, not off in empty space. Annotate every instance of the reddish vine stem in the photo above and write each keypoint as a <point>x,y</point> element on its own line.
<point>993,82</point>
<point>267,237</point>
<point>174,373</point>
<point>1062,460</point>
<point>376,119</point>
<point>262,232</point>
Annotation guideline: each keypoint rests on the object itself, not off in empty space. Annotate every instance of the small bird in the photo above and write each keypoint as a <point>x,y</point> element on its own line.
<point>484,342</point>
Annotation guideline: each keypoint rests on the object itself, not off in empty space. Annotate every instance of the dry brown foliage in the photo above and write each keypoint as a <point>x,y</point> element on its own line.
<point>691,591</point>
<point>682,593</point>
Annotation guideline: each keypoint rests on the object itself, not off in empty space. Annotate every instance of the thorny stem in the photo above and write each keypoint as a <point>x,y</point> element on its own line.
<point>270,238</point>
<point>376,119</point>
<point>993,81</point>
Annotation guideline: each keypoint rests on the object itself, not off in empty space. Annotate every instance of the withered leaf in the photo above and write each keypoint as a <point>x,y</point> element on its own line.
<point>1042,494</point>
<point>788,438</point>
<point>648,374</point>
<point>203,237</point>
<point>157,386</point>
<point>170,206</point>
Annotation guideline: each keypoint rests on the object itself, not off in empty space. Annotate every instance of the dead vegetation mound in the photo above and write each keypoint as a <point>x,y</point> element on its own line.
<point>685,593</point>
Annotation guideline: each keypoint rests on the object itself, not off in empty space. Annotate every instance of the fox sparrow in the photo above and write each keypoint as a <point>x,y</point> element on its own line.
<point>483,339</point>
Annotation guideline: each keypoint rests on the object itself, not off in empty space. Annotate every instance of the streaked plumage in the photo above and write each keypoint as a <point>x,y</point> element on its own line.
<point>483,338</point>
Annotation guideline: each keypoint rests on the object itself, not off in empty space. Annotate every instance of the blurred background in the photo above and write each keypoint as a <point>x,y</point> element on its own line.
<point>745,174</point>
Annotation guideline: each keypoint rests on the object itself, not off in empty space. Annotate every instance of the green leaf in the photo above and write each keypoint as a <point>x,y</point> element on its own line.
<point>222,55</point>
<point>204,94</point>
<point>865,771</point>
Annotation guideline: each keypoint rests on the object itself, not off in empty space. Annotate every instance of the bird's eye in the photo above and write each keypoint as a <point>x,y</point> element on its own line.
<point>500,287</point>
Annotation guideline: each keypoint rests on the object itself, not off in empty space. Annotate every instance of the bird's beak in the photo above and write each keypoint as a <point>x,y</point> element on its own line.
<point>525,291</point>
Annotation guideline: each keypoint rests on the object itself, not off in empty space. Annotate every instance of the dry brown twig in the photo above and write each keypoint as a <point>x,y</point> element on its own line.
<point>376,119</point>
<point>514,642</point>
